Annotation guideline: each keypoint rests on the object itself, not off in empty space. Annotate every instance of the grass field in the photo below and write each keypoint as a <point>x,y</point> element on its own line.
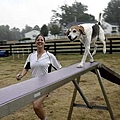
<point>58,102</point>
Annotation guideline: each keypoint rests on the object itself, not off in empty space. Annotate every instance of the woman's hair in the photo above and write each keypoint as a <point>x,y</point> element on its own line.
<point>38,36</point>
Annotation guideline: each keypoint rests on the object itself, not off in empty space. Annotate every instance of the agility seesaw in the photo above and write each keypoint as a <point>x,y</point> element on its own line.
<point>18,95</point>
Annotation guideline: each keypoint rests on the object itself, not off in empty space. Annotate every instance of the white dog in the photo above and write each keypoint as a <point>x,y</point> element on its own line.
<point>88,34</point>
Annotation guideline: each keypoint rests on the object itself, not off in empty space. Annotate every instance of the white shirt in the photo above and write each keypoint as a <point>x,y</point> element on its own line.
<point>40,66</point>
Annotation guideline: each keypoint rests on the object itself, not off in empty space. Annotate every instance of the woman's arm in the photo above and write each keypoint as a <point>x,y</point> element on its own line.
<point>22,74</point>
<point>55,63</point>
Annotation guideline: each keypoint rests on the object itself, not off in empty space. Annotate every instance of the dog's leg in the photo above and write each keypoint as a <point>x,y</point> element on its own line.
<point>95,49</point>
<point>93,43</point>
<point>87,51</point>
<point>104,45</point>
<point>102,39</point>
<point>91,57</point>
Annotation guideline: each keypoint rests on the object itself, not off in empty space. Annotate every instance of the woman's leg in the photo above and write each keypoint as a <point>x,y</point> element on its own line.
<point>38,108</point>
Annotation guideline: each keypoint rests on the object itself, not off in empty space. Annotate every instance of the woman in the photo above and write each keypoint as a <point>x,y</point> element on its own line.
<point>40,63</point>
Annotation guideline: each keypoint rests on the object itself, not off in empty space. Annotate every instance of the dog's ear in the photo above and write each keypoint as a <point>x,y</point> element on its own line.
<point>81,29</point>
<point>67,32</point>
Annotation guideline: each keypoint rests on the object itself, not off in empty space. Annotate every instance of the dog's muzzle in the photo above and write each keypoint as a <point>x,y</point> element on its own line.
<point>70,38</point>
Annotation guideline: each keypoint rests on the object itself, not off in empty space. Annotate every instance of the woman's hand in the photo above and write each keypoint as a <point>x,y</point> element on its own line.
<point>21,74</point>
<point>18,76</point>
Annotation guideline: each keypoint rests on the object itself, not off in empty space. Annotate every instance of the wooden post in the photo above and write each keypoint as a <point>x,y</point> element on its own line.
<point>104,94</point>
<point>110,46</point>
<point>23,53</point>
<point>73,100</point>
<point>54,48</point>
<point>10,49</point>
<point>31,47</point>
<point>81,48</point>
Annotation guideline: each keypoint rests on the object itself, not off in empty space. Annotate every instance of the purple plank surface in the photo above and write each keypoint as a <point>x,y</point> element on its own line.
<point>22,88</point>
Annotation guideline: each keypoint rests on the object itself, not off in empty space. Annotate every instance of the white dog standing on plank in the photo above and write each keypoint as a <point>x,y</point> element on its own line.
<point>88,34</point>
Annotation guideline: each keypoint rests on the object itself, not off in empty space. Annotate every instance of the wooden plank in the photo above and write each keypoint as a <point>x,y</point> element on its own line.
<point>108,74</point>
<point>18,95</point>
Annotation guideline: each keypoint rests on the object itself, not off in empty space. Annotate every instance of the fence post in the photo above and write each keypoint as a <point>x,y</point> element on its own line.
<point>81,50</point>
<point>110,46</point>
<point>31,47</point>
<point>54,48</point>
<point>10,49</point>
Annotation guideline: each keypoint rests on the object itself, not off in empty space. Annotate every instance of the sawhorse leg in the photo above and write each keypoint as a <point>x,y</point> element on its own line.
<point>77,88</point>
<point>73,100</point>
<point>104,94</point>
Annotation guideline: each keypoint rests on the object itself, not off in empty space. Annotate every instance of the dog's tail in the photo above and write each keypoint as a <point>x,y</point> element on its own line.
<point>99,20</point>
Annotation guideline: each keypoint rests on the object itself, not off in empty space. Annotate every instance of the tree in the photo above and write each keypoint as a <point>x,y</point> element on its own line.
<point>5,32</point>
<point>9,34</point>
<point>15,33</point>
<point>112,12</point>
<point>55,29</point>
<point>44,30</point>
<point>76,12</point>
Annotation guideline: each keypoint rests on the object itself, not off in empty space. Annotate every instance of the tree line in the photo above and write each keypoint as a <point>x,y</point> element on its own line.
<point>15,34</point>
<point>76,12</point>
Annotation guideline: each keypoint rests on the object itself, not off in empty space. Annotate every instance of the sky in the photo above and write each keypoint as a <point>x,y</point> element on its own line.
<point>19,13</point>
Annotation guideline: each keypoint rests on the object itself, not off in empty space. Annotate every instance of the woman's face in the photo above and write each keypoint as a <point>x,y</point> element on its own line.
<point>40,42</point>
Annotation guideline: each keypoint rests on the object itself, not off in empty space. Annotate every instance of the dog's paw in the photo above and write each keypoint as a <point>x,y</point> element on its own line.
<point>104,50</point>
<point>80,65</point>
<point>91,60</point>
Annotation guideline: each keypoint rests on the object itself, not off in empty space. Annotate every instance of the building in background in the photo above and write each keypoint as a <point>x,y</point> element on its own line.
<point>32,34</point>
<point>110,29</point>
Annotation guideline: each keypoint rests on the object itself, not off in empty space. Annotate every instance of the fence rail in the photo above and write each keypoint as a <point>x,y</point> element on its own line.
<point>61,46</point>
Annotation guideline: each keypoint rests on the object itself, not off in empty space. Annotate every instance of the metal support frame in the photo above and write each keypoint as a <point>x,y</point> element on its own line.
<point>88,105</point>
